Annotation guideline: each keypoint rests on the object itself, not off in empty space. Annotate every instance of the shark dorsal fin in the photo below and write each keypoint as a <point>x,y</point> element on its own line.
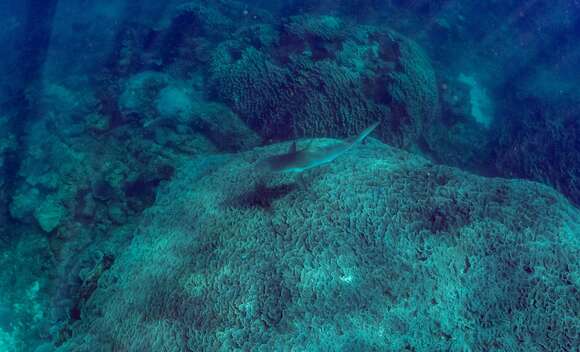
<point>305,149</point>
<point>292,148</point>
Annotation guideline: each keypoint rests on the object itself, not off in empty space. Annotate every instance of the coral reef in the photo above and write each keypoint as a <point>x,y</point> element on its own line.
<point>458,129</point>
<point>306,85</point>
<point>311,28</point>
<point>8,146</point>
<point>383,250</point>
<point>249,82</point>
<point>155,99</point>
<point>25,308</point>
<point>130,196</point>
<point>542,144</point>
<point>139,94</point>
<point>85,176</point>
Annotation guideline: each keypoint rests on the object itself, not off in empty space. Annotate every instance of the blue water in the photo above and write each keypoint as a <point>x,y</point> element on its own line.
<point>136,213</point>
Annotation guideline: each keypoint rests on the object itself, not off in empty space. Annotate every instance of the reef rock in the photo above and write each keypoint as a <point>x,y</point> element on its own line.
<point>158,100</point>
<point>541,142</point>
<point>140,92</point>
<point>379,250</point>
<point>49,214</point>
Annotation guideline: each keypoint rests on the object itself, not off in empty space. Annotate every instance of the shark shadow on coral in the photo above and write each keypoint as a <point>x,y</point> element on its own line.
<point>261,196</point>
<point>295,161</point>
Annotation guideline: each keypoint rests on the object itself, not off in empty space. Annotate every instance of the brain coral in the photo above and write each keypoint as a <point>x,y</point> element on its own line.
<point>323,79</point>
<point>381,251</point>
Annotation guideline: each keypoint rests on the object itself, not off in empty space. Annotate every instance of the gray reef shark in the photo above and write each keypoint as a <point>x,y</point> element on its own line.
<point>297,161</point>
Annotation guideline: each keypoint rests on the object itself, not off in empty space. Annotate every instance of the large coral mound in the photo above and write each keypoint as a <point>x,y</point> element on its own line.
<point>380,250</point>
<point>318,76</point>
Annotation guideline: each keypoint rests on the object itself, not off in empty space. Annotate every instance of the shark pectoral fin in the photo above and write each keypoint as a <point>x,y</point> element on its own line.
<point>292,148</point>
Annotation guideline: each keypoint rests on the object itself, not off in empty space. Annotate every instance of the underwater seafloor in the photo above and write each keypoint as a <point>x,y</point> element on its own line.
<point>146,202</point>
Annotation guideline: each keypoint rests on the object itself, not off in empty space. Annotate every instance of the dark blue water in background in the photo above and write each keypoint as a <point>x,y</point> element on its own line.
<point>101,102</point>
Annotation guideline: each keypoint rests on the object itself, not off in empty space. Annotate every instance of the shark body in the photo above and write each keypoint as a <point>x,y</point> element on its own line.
<point>296,161</point>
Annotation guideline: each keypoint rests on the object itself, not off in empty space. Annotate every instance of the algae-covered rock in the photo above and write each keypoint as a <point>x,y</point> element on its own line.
<point>223,127</point>
<point>98,123</point>
<point>25,306</point>
<point>24,202</point>
<point>174,102</point>
<point>139,93</point>
<point>311,27</point>
<point>117,214</point>
<point>50,213</point>
<point>378,250</point>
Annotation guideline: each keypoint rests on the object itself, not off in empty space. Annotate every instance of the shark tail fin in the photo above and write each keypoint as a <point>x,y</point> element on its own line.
<point>365,133</point>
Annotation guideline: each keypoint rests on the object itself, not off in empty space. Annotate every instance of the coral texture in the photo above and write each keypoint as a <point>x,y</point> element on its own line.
<point>382,251</point>
<point>542,144</point>
<point>126,225</point>
<point>325,79</point>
